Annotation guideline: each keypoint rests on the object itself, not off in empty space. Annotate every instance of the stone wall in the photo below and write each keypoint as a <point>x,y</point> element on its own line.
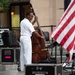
<point>48,11</point>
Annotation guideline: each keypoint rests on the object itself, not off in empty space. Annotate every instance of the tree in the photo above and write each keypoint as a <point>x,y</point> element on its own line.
<point>4,5</point>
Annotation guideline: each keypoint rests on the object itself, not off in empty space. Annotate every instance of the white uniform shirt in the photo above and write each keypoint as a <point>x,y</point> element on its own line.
<point>25,42</point>
<point>26,28</point>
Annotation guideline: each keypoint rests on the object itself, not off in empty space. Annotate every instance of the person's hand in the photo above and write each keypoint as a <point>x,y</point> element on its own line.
<point>43,37</point>
<point>35,18</point>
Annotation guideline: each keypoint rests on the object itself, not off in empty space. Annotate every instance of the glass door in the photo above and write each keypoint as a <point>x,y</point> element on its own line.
<point>17,13</point>
<point>15,16</point>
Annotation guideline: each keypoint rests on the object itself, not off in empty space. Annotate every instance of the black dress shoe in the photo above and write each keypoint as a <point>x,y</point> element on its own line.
<point>18,69</point>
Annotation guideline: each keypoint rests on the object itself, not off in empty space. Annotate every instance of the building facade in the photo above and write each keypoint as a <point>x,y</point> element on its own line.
<point>48,12</point>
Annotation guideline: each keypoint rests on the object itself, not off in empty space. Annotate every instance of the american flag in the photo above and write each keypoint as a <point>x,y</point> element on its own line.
<point>64,33</point>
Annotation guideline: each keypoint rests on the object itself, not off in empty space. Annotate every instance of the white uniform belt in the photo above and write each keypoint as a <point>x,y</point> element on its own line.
<point>25,35</point>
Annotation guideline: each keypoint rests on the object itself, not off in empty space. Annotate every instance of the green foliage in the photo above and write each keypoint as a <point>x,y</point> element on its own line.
<point>4,5</point>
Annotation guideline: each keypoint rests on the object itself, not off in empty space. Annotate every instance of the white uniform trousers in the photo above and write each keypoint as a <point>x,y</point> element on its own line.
<point>25,52</point>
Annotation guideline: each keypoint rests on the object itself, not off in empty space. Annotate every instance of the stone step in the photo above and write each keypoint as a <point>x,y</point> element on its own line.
<point>9,70</point>
<point>58,51</point>
<point>8,67</point>
<point>64,59</point>
<point>58,54</point>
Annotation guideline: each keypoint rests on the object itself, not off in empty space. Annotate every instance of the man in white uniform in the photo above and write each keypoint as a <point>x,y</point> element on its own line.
<point>26,31</point>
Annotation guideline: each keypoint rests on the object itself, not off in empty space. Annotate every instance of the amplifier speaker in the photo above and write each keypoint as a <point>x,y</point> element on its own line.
<point>9,39</point>
<point>43,69</point>
<point>7,55</point>
<point>10,55</point>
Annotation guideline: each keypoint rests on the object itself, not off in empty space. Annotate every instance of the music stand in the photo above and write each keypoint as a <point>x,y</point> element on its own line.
<point>54,44</point>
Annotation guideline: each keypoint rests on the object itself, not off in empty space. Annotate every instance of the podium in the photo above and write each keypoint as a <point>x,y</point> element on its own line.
<point>43,69</point>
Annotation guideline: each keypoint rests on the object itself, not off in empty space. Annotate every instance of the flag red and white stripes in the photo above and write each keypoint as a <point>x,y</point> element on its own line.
<point>64,33</point>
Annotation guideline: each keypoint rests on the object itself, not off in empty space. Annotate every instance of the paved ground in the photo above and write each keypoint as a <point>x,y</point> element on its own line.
<point>12,70</point>
<point>15,72</point>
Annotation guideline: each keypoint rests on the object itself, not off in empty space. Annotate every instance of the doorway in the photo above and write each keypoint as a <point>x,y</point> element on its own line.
<point>17,12</point>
